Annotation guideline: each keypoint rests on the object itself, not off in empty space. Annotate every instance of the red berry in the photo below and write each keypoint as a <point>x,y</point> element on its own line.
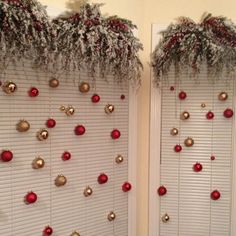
<point>228,113</point>
<point>162,190</point>
<point>66,156</point>
<point>172,88</point>
<point>197,167</point>
<point>95,98</point>
<point>126,187</point>
<point>215,195</point>
<point>79,130</point>
<point>122,96</point>
<point>30,198</point>
<point>213,158</point>
<point>47,231</point>
<point>102,178</point>
<point>178,148</point>
<point>182,95</point>
<point>51,123</point>
<point>33,92</point>
<point>210,115</point>
<point>115,134</point>
<point>6,155</point>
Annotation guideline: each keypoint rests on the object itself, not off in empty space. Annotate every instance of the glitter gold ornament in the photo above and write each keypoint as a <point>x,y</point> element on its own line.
<point>9,87</point>
<point>84,87</point>
<point>119,159</point>
<point>38,163</point>
<point>60,180</point>
<point>70,110</point>
<point>88,191</point>
<point>75,233</point>
<point>109,108</point>
<point>184,115</point>
<point>62,108</point>
<point>223,96</point>
<point>42,134</point>
<point>188,142</point>
<point>54,83</point>
<point>22,126</point>
<point>111,216</point>
<point>165,218</point>
<point>203,105</point>
<point>174,131</point>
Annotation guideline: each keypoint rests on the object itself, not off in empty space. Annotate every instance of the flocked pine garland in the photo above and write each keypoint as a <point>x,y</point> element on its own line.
<point>187,45</point>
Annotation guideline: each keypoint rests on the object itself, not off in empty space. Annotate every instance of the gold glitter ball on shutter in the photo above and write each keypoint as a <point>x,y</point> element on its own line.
<point>60,180</point>
<point>88,191</point>
<point>203,105</point>
<point>188,142</point>
<point>54,83</point>
<point>174,131</point>
<point>184,115</point>
<point>165,218</point>
<point>42,134</point>
<point>38,163</point>
<point>22,126</point>
<point>109,108</point>
<point>70,110</point>
<point>84,87</point>
<point>9,87</point>
<point>75,233</point>
<point>119,159</point>
<point>223,96</point>
<point>111,216</point>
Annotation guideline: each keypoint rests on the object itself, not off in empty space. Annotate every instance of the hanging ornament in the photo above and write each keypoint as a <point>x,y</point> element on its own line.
<point>223,96</point>
<point>9,87</point>
<point>42,134</point>
<point>88,191</point>
<point>215,195</point>
<point>165,218</point>
<point>188,142</point>
<point>122,97</point>
<point>70,110</point>
<point>102,178</point>
<point>62,108</point>
<point>184,115</point>
<point>22,126</point>
<point>33,92</point>
<point>126,187</point>
<point>210,115</point>
<point>162,190</point>
<point>182,95</point>
<point>79,130</point>
<point>66,156</point>
<point>228,113</point>
<point>203,105</point>
<point>115,134</point>
<point>109,108</point>
<point>213,158</point>
<point>174,131</point>
<point>50,123</point>
<point>95,98</point>
<point>84,87</point>
<point>197,167</point>
<point>30,198</point>
<point>54,83</point>
<point>172,88</point>
<point>47,231</point>
<point>6,156</point>
<point>178,148</point>
<point>111,216</point>
<point>38,163</point>
<point>119,159</point>
<point>60,180</point>
<point>75,233</point>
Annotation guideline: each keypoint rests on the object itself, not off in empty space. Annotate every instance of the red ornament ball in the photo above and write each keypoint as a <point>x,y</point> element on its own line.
<point>6,155</point>
<point>122,96</point>
<point>47,231</point>
<point>115,134</point>
<point>162,190</point>
<point>178,148</point>
<point>51,123</point>
<point>33,92</point>
<point>215,195</point>
<point>95,98</point>
<point>172,88</point>
<point>210,115</point>
<point>102,178</point>
<point>182,95</point>
<point>228,113</point>
<point>213,158</point>
<point>30,198</point>
<point>126,187</point>
<point>197,167</point>
<point>66,156</point>
<point>79,130</point>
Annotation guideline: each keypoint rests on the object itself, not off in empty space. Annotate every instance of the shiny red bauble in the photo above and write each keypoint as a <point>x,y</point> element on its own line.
<point>215,195</point>
<point>66,156</point>
<point>30,198</point>
<point>95,98</point>
<point>162,190</point>
<point>210,115</point>
<point>102,178</point>
<point>6,156</point>
<point>51,123</point>
<point>126,187</point>
<point>47,231</point>
<point>115,134</point>
<point>197,167</point>
<point>213,158</point>
<point>33,92</point>
<point>79,130</point>
<point>182,95</point>
<point>178,148</point>
<point>228,113</point>
<point>122,96</point>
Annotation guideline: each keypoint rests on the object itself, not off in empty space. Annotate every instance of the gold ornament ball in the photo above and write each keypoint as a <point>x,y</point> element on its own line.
<point>54,83</point>
<point>38,163</point>
<point>9,87</point>
<point>174,131</point>
<point>188,142</point>
<point>165,218</point>
<point>42,134</point>
<point>185,115</point>
<point>109,108</point>
<point>22,126</point>
<point>223,96</point>
<point>88,191</point>
<point>70,110</point>
<point>60,180</point>
<point>203,105</point>
<point>111,216</point>
<point>75,233</point>
<point>84,87</point>
<point>119,159</point>
<point>62,108</point>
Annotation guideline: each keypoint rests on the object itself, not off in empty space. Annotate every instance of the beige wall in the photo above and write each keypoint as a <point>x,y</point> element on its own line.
<point>144,13</point>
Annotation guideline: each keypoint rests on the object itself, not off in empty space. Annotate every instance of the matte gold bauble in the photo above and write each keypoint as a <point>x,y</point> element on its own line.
<point>75,233</point>
<point>9,87</point>
<point>203,105</point>
<point>38,163</point>
<point>223,96</point>
<point>22,126</point>
<point>188,142</point>
<point>70,110</point>
<point>42,134</point>
<point>54,83</point>
<point>88,191</point>
<point>174,131</point>
<point>60,180</point>
<point>184,115</point>
<point>111,216</point>
<point>119,159</point>
<point>62,108</point>
<point>109,108</point>
<point>165,218</point>
<point>84,87</point>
